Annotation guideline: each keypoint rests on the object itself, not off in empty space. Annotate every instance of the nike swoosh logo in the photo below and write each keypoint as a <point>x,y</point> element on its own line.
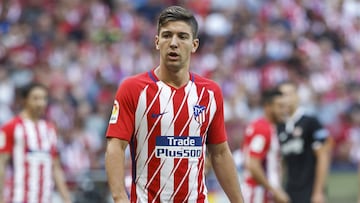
<point>156,115</point>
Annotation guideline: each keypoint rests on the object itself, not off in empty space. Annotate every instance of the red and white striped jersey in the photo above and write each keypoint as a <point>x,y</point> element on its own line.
<point>261,142</point>
<point>32,147</point>
<point>168,130</point>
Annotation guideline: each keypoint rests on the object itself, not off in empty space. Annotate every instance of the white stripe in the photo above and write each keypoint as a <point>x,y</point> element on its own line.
<point>33,182</point>
<point>34,176</point>
<point>141,150</point>
<point>48,141</point>
<point>167,129</point>
<point>259,194</point>
<point>212,105</point>
<point>19,167</point>
<point>31,135</point>
<point>194,130</point>
<point>47,181</point>
<point>253,194</point>
<point>44,135</point>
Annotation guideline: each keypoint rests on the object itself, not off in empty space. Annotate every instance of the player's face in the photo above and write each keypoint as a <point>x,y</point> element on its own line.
<point>176,43</point>
<point>290,93</point>
<point>279,109</point>
<point>36,102</point>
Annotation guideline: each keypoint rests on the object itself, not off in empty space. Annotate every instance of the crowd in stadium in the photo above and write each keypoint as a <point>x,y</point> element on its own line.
<point>82,50</point>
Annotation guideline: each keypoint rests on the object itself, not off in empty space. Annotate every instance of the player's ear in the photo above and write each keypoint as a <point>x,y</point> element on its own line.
<point>157,42</point>
<point>195,45</point>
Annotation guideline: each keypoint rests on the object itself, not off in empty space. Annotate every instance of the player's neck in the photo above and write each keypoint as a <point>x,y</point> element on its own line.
<point>27,115</point>
<point>175,79</point>
<point>269,118</point>
<point>293,111</point>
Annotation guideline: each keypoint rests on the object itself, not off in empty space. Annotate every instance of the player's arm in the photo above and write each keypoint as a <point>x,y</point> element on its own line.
<point>322,154</point>
<point>60,181</point>
<point>258,148</point>
<point>321,145</point>
<point>4,158</point>
<point>225,170</point>
<point>115,169</point>
<point>254,165</point>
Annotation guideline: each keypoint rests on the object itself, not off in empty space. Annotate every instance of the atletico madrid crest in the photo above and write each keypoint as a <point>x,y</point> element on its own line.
<point>199,113</point>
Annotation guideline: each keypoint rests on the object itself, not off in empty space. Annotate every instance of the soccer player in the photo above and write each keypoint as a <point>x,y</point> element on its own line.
<point>262,153</point>
<point>28,146</point>
<point>305,145</point>
<point>170,116</point>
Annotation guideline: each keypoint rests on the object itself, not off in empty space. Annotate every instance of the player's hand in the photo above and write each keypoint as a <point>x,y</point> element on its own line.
<point>318,197</point>
<point>280,196</point>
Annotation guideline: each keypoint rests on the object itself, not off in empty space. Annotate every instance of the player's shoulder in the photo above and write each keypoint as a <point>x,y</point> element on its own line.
<point>205,82</point>
<point>309,119</point>
<point>261,126</point>
<point>10,125</point>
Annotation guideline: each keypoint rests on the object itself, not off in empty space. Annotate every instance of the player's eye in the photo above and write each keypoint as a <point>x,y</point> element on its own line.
<point>183,36</point>
<point>166,35</point>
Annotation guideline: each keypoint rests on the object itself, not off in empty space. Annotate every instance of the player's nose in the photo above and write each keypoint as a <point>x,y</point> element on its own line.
<point>174,42</point>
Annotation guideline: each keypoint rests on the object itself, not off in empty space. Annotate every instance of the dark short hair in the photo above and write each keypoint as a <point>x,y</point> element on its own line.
<point>268,95</point>
<point>25,90</point>
<point>178,13</point>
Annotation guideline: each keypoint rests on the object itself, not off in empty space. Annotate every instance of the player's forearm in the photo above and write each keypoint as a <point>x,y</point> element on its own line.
<point>3,161</point>
<point>225,170</point>
<point>60,182</point>
<point>2,177</point>
<point>115,169</point>
<point>321,169</point>
<point>257,172</point>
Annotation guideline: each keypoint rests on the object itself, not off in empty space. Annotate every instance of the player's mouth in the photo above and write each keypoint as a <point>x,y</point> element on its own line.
<point>173,56</point>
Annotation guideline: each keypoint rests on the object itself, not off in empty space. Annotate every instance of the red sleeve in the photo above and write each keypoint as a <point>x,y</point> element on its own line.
<point>217,133</point>
<point>258,143</point>
<point>7,138</point>
<point>121,123</point>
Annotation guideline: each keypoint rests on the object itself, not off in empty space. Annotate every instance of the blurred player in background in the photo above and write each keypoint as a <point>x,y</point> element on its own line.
<point>305,145</point>
<point>170,116</point>
<point>352,146</point>
<point>28,146</point>
<point>262,153</point>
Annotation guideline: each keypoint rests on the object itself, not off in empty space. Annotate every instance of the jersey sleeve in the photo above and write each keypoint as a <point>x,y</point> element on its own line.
<point>7,138</point>
<point>217,133</point>
<point>259,138</point>
<point>121,123</point>
<point>319,133</point>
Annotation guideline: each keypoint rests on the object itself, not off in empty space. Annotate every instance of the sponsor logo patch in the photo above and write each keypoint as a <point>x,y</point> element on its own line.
<point>178,147</point>
<point>115,112</point>
<point>257,144</point>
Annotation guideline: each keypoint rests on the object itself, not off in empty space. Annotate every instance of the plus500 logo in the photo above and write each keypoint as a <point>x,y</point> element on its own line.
<point>178,147</point>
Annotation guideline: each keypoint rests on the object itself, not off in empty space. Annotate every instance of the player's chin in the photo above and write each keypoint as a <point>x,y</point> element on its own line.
<point>39,112</point>
<point>174,65</point>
